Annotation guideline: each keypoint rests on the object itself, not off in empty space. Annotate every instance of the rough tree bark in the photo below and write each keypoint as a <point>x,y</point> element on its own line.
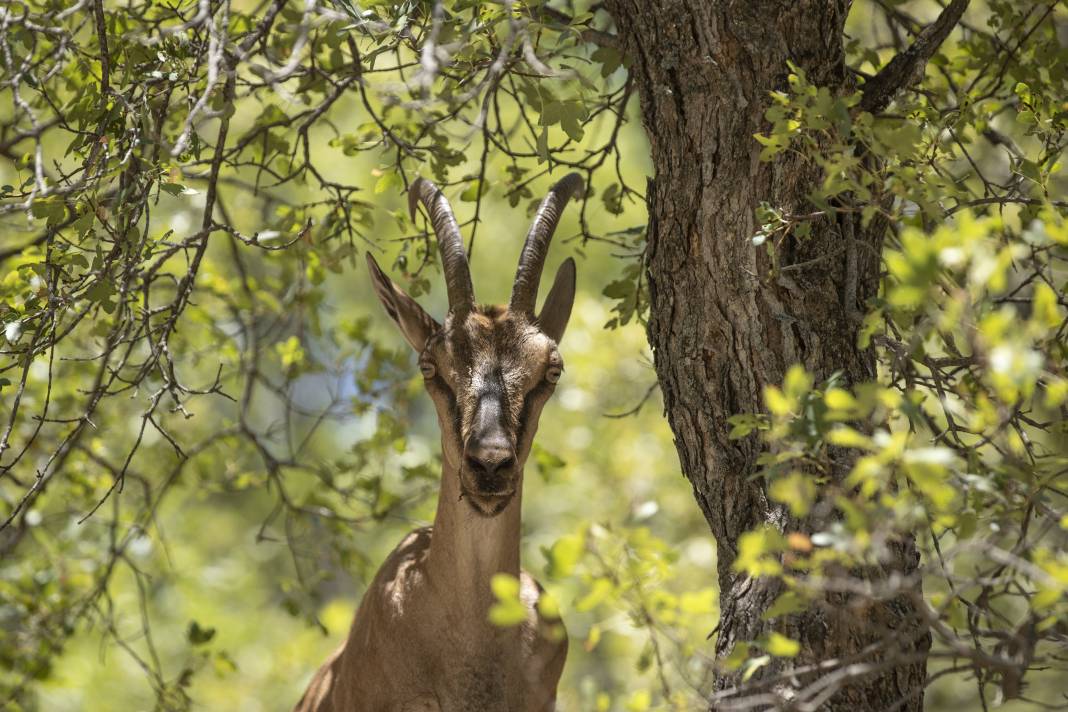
<point>721,332</point>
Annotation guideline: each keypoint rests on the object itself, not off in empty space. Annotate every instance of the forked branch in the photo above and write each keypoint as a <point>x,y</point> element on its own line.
<point>907,67</point>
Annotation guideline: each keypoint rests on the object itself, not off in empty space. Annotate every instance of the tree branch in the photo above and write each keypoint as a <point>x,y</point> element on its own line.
<point>588,34</point>
<point>907,67</point>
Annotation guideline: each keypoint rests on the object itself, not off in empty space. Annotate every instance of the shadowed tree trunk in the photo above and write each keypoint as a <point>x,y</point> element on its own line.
<point>721,331</point>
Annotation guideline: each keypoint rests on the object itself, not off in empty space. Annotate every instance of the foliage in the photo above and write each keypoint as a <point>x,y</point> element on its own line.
<point>208,446</point>
<point>961,440</point>
<point>184,186</point>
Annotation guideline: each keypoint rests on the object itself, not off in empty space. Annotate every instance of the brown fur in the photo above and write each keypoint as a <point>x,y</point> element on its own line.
<point>421,640</point>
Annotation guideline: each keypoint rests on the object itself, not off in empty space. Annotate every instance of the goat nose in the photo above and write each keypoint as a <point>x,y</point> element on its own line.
<point>488,460</point>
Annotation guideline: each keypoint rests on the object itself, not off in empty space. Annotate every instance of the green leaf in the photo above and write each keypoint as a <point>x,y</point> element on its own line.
<point>600,591</point>
<point>609,58</point>
<point>639,701</point>
<point>548,606</point>
<point>573,128</point>
<point>777,402</point>
<point>565,554</point>
<point>787,603</point>
<point>796,490</point>
<point>474,190</point>
<point>844,436</point>
<point>543,146</point>
<point>270,116</point>
<point>758,552</point>
<point>752,665</point>
<point>388,181</point>
<point>1044,309</point>
<point>508,610</point>
<point>199,636</point>
<point>782,647</point>
<point>548,463</point>
<point>797,382</point>
<point>737,656</point>
<point>839,399</point>
<point>51,209</point>
<point>745,423</point>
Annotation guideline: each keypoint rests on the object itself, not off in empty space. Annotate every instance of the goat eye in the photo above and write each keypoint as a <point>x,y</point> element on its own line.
<point>552,375</point>
<point>428,369</point>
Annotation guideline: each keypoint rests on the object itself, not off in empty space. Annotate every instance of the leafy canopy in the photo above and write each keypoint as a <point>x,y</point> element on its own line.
<point>186,186</point>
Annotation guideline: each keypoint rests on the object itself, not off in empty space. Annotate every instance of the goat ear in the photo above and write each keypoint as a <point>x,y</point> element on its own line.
<point>557,307</point>
<point>416,325</point>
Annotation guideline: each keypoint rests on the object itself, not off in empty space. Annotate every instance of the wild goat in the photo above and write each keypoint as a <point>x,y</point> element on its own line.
<point>421,640</point>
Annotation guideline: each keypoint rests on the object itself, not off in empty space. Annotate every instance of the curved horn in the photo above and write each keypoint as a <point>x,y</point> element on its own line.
<point>450,243</point>
<point>532,258</point>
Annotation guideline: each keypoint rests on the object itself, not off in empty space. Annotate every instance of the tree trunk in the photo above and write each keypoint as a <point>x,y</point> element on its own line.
<point>720,331</point>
